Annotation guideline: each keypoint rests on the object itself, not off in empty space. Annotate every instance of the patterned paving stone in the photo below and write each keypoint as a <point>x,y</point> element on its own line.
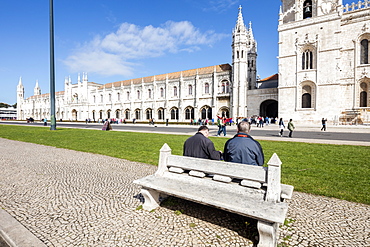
<point>69,198</point>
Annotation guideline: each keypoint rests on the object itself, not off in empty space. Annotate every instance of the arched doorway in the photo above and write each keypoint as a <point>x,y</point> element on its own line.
<point>74,115</point>
<point>224,112</point>
<point>269,108</point>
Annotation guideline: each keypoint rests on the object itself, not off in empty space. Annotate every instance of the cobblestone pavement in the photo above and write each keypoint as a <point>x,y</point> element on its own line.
<point>69,198</point>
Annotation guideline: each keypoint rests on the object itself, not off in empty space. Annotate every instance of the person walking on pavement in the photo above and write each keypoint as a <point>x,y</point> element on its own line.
<point>281,126</point>
<point>291,127</point>
<point>323,122</point>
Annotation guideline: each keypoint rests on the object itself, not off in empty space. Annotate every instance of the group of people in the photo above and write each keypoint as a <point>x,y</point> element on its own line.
<point>242,148</point>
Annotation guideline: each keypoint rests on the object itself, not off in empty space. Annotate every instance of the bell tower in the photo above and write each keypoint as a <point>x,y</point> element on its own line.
<point>244,58</point>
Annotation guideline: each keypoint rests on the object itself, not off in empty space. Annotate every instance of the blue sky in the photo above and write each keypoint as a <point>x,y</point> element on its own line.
<point>115,40</point>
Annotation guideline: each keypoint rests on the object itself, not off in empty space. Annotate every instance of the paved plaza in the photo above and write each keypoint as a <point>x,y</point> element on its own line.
<point>70,198</point>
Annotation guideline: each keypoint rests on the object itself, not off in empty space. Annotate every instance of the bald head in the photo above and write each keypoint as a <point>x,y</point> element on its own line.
<point>244,127</point>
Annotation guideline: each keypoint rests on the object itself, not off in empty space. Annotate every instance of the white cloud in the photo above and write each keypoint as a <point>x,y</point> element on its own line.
<point>117,53</point>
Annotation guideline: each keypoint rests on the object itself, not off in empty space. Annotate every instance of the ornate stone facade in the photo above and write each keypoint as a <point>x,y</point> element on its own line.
<point>324,61</point>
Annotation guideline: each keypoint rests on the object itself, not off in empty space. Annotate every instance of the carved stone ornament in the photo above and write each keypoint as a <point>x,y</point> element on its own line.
<point>327,6</point>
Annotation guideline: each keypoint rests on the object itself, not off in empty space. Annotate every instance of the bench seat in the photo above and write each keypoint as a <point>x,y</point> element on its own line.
<point>227,196</point>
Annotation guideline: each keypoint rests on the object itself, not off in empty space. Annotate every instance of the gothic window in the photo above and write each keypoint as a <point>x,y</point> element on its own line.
<point>204,113</point>
<point>307,9</point>
<point>161,92</point>
<point>227,87</point>
<point>242,54</point>
<point>128,95</point>
<point>101,98</point>
<point>206,88</point>
<point>189,113</point>
<point>94,99</point>
<point>161,114</point>
<point>307,60</point>
<point>237,54</point>
<point>108,113</point>
<point>101,114</point>
<point>138,94</point>
<point>149,114</point>
<point>137,113</point>
<point>190,89</point>
<point>110,97</point>
<point>118,96</point>
<point>117,114</point>
<point>306,97</point>
<point>364,52</point>
<point>174,113</point>
<point>149,93</point>
<point>223,88</point>
<point>363,95</point>
<point>175,91</point>
<point>127,114</point>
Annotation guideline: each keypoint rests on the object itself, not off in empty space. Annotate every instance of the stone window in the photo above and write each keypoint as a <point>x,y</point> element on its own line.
<point>160,114</point>
<point>117,114</point>
<point>127,114</point>
<point>306,97</point>
<point>175,114</point>
<point>118,96</point>
<point>109,97</point>
<point>175,91</point>
<point>137,113</point>
<point>206,112</point>
<point>189,113</point>
<point>138,94</point>
<point>161,92</point>
<point>363,95</point>
<point>307,59</point>
<point>190,90</point>
<point>149,93</point>
<point>149,114</point>
<point>128,95</point>
<point>206,88</point>
<point>364,56</point>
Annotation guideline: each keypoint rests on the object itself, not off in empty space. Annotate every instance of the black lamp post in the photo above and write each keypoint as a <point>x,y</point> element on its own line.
<point>52,70</point>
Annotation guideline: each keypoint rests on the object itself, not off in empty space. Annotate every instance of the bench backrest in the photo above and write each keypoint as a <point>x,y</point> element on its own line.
<point>248,175</point>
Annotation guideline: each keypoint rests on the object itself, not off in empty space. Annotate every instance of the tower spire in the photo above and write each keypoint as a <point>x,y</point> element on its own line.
<point>240,27</point>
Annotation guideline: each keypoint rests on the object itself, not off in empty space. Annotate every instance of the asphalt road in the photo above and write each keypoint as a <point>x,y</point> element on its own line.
<point>336,134</point>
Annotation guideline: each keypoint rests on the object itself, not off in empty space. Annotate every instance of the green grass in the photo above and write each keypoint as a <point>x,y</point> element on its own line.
<point>339,171</point>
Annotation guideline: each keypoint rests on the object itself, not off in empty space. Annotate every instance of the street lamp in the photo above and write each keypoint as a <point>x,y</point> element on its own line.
<point>52,70</point>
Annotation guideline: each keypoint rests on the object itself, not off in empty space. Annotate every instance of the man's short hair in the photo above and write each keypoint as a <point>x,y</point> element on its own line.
<point>203,127</point>
<point>244,127</point>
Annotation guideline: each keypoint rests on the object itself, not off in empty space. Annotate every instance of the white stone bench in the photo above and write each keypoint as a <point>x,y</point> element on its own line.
<point>247,190</point>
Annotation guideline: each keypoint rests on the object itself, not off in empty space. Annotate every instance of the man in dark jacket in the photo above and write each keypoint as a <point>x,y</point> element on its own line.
<point>242,148</point>
<point>199,146</point>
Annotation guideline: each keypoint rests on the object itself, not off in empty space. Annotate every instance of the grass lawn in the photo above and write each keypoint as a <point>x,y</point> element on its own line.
<point>340,171</point>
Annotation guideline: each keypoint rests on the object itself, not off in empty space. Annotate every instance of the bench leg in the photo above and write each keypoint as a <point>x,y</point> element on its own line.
<point>151,198</point>
<point>267,234</point>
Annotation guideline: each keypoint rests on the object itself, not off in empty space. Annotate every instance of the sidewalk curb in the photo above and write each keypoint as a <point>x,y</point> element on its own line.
<point>14,234</point>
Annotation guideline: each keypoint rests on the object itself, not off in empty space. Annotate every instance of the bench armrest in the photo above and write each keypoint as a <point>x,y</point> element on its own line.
<point>286,191</point>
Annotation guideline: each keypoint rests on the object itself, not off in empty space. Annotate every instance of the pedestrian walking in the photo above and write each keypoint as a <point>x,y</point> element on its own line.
<point>291,127</point>
<point>323,122</point>
<point>281,126</point>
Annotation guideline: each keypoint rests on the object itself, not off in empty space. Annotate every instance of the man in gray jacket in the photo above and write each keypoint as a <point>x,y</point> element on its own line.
<point>242,148</point>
